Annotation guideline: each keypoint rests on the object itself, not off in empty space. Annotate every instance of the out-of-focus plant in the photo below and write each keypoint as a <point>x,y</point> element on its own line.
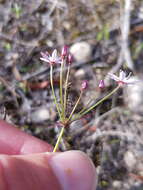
<point>104,33</point>
<point>7,46</point>
<point>17,10</point>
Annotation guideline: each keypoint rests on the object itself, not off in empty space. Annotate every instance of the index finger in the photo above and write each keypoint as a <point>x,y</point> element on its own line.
<point>15,142</point>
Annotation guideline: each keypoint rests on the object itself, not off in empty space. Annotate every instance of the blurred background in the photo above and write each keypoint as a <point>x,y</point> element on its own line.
<point>103,36</point>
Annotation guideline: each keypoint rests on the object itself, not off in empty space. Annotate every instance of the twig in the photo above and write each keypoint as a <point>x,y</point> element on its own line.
<point>32,43</point>
<point>100,134</point>
<point>100,118</point>
<point>53,7</point>
<point>8,87</point>
<point>14,94</point>
<point>116,67</point>
<point>125,29</point>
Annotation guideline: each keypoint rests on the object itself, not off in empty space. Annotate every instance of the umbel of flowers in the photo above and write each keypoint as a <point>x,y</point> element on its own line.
<point>65,59</point>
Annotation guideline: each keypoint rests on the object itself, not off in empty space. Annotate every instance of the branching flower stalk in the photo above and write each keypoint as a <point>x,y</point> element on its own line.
<point>65,59</point>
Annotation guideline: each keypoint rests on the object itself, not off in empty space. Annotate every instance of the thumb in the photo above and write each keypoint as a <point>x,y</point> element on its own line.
<point>57,171</point>
<point>74,170</point>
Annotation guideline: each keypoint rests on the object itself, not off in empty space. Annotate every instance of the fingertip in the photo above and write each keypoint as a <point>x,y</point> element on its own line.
<point>74,170</point>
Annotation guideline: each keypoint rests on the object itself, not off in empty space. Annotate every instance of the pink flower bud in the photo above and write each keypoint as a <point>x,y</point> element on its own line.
<point>84,85</point>
<point>70,59</point>
<point>64,51</point>
<point>101,84</point>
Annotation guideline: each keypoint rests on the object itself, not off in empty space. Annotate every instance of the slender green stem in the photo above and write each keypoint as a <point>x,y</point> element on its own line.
<point>53,92</point>
<point>100,101</point>
<point>75,106</point>
<point>66,87</point>
<point>61,87</point>
<point>82,110</point>
<point>59,139</point>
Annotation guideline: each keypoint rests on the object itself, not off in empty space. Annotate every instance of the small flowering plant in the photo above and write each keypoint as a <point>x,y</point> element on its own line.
<point>65,60</point>
<point>51,59</point>
<point>122,78</point>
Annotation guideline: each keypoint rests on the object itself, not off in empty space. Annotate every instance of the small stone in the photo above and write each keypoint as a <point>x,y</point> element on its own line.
<point>66,25</point>
<point>40,115</point>
<point>141,173</point>
<point>80,73</point>
<point>129,159</point>
<point>117,184</point>
<point>81,51</point>
<point>98,169</point>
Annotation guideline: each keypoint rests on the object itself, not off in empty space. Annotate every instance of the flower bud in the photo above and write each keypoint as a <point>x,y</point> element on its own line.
<point>84,85</point>
<point>70,59</point>
<point>101,84</point>
<point>64,51</point>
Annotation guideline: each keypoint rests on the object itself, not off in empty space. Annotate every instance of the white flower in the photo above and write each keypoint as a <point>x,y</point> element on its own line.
<point>123,79</point>
<point>52,59</point>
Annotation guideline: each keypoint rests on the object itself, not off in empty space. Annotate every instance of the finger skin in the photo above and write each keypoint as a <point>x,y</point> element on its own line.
<point>15,142</point>
<point>31,172</point>
<point>74,170</point>
<point>71,170</point>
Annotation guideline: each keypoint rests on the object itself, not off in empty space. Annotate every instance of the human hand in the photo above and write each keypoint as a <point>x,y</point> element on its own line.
<point>27,163</point>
